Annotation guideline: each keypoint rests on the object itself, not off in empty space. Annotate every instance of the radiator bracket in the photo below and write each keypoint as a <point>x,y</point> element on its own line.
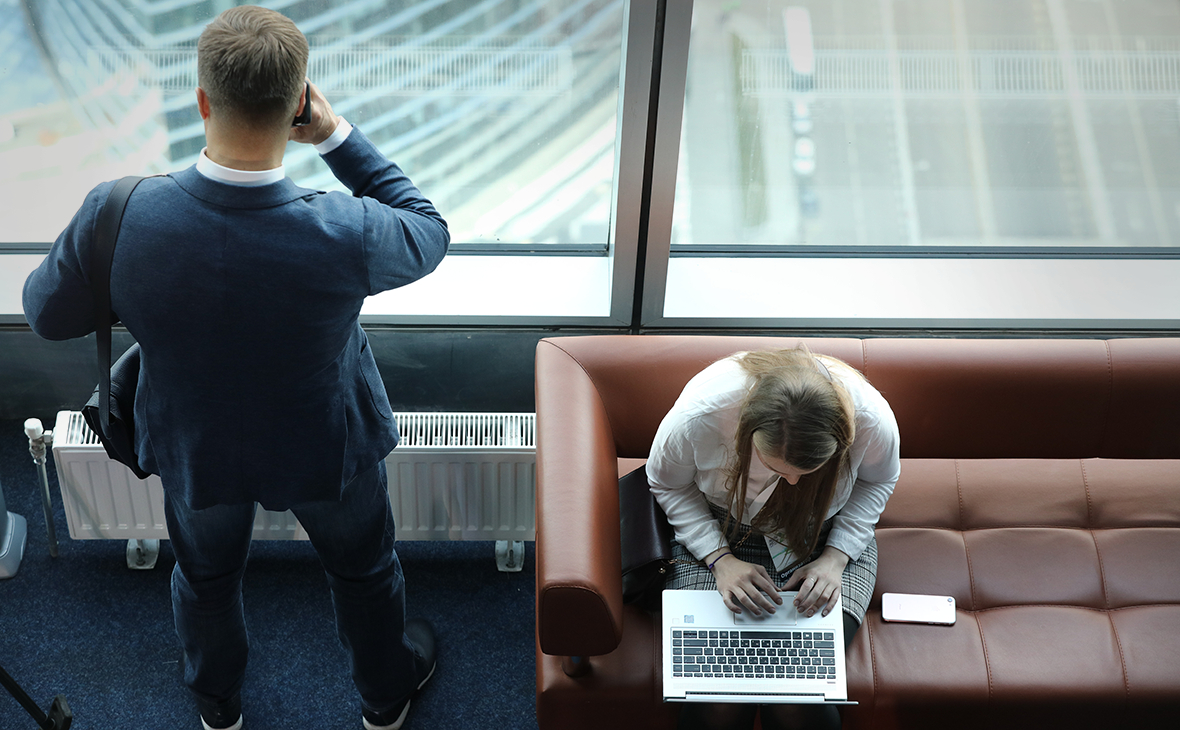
<point>142,554</point>
<point>510,555</point>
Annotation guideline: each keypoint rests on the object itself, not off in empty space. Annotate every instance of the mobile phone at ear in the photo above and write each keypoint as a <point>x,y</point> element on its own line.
<point>304,119</point>
<point>918,608</point>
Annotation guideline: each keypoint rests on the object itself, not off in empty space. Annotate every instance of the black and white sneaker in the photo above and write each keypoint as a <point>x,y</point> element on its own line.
<point>221,715</point>
<point>421,636</point>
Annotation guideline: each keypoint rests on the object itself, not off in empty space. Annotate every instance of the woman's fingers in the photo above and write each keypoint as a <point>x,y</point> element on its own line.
<point>805,600</point>
<point>816,592</point>
<point>749,603</point>
<point>821,594</point>
<point>755,600</point>
<point>765,585</point>
<point>731,604</point>
<point>760,589</point>
<point>832,596</point>
<point>794,580</point>
<point>745,585</point>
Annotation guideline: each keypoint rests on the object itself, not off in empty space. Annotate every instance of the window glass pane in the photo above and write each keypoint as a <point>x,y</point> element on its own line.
<point>931,122</point>
<point>502,111</point>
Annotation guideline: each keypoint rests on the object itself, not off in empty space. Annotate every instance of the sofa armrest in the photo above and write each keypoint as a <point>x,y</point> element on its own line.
<point>579,574</point>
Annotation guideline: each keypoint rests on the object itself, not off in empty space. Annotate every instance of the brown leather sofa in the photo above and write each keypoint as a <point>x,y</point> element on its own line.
<point>1040,487</point>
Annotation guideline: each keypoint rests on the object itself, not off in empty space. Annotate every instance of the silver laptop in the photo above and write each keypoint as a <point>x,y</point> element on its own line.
<point>714,655</point>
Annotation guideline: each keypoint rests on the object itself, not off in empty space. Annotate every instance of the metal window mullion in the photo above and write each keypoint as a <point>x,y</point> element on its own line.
<point>673,76</point>
<point>631,148</point>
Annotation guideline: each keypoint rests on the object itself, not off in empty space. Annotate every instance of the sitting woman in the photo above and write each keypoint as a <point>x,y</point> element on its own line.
<point>773,468</point>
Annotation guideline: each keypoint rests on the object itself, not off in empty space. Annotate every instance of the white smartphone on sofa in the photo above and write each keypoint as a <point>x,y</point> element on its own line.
<point>918,608</point>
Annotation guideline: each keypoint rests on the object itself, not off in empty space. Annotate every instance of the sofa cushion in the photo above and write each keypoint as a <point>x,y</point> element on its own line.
<point>1067,585</point>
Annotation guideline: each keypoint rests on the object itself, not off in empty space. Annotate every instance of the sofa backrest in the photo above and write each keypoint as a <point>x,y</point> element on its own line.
<point>953,398</point>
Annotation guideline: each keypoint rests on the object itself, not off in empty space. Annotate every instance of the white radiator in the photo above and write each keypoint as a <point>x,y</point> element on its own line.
<point>453,476</point>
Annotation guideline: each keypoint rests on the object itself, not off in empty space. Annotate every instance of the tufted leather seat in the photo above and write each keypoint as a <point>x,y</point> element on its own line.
<point>1040,487</point>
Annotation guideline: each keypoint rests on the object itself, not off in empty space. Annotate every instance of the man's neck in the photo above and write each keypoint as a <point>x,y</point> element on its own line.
<point>244,151</point>
<point>235,163</point>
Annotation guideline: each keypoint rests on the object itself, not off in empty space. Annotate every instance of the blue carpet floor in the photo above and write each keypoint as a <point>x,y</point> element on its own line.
<point>85,626</point>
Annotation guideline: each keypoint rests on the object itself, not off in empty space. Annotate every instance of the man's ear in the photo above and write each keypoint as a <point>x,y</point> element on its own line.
<point>302,101</point>
<point>202,103</point>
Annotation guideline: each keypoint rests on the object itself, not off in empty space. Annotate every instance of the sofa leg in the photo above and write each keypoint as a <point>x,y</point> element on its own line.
<point>575,666</point>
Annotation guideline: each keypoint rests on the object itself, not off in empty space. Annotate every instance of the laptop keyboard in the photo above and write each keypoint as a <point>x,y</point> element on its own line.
<point>754,654</point>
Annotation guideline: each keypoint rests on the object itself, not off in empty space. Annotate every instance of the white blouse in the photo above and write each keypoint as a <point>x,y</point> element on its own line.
<point>695,444</point>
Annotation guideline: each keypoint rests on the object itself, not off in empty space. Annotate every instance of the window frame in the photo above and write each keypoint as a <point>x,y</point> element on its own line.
<point>658,291</point>
<point>566,262</point>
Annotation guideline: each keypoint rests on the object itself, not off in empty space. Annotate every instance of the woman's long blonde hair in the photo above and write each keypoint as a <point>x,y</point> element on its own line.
<point>795,412</point>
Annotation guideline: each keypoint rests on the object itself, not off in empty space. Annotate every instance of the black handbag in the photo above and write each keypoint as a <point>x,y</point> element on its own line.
<point>646,541</point>
<point>110,412</point>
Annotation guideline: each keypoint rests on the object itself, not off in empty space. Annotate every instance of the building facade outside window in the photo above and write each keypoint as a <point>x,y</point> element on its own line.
<point>805,163</point>
<point>924,162</point>
<point>503,111</point>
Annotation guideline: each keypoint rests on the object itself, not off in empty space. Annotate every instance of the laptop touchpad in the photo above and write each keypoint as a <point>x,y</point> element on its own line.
<point>784,615</point>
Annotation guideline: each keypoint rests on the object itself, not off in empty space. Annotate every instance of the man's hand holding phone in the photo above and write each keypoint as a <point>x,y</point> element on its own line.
<point>323,120</point>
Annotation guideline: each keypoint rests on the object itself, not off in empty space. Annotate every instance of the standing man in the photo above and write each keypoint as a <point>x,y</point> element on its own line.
<point>257,383</point>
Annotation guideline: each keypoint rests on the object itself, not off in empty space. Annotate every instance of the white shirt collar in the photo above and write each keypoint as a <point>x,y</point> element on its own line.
<point>244,178</point>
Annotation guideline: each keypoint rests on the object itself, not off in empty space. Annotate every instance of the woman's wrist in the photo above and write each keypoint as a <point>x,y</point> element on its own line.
<point>714,557</point>
<point>836,556</point>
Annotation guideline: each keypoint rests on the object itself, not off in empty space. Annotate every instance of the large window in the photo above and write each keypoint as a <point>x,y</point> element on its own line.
<point>932,123</point>
<point>922,163</point>
<point>502,111</point>
<point>679,163</point>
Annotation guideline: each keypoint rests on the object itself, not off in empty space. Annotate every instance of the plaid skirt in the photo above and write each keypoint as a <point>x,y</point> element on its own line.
<point>856,589</point>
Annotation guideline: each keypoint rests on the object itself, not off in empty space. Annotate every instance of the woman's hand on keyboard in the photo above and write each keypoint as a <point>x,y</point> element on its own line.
<point>745,584</point>
<point>818,582</point>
